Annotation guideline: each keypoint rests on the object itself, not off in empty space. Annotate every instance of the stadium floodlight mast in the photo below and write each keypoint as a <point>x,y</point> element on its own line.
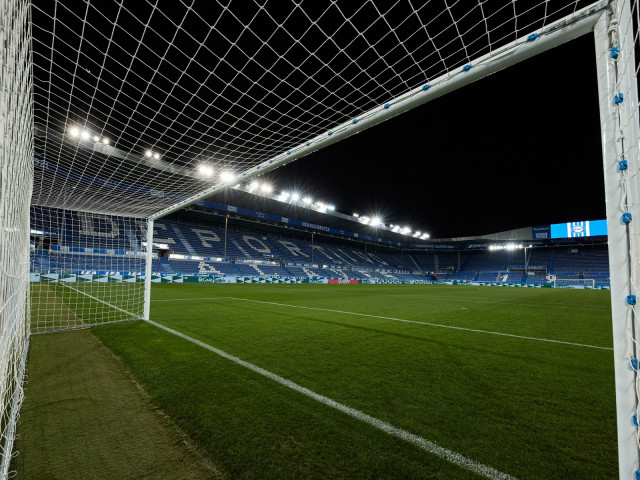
<point>114,191</point>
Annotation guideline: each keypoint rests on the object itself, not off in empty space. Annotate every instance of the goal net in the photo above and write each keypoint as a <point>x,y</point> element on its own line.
<point>115,114</point>
<point>86,268</point>
<point>574,282</point>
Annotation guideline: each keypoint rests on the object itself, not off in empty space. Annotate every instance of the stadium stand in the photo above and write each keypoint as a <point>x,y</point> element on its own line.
<point>193,249</point>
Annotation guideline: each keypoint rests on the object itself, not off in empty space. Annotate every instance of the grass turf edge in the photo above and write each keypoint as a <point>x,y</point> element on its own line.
<point>85,417</point>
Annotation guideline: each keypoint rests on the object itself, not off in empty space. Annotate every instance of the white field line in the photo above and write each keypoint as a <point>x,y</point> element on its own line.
<point>420,442</point>
<point>101,301</point>
<point>500,302</point>
<point>474,330</point>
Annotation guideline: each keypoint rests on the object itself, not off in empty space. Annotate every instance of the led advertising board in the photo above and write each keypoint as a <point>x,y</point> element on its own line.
<point>587,228</point>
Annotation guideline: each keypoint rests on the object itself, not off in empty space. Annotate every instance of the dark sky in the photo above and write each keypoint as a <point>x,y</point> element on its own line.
<point>518,148</point>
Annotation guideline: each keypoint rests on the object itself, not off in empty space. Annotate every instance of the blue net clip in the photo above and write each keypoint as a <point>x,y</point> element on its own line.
<point>426,87</point>
<point>618,99</point>
<point>532,37</point>
<point>634,363</point>
<point>289,153</point>
<point>354,121</point>
<point>634,419</point>
<point>615,53</point>
<point>387,105</point>
<point>637,474</point>
<point>627,217</point>
<point>466,68</point>
<point>308,143</point>
<point>623,165</point>
<point>330,133</point>
<point>631,299</point>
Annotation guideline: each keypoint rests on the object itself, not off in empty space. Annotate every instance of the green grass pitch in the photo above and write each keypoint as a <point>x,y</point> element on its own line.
<point>523,383</point>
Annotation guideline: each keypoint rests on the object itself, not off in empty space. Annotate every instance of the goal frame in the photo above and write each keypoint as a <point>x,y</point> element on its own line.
<point>601,19</point>
<point>611,24</point>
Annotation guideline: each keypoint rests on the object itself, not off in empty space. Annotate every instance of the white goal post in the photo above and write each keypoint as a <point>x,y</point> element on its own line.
<point>574,282</point>
<point>116,114</point>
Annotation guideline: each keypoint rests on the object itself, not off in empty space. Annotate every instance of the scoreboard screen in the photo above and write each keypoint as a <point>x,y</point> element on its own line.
<point>587,228</point>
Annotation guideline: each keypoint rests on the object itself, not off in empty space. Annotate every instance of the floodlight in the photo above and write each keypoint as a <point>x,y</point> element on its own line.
<point>331,208</point>
<point>105,141</point>
<point>406,230</point>
<point>356,215</point>
<point>148,154</point>
<point>74,132</point>
<point>227,177</point>
<point>96,138</point>
<point>84,135</point>
<point>375,222</point>
<point>252,186</point>
<point>396,229</point>
<point>156,156</point>
<point>307,200</point>
<point>266,188</point>
<point>205,170</point>
<point>295,197</point>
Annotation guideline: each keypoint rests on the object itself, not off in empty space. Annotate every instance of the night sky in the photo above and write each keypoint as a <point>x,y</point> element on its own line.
<point>515,149</point>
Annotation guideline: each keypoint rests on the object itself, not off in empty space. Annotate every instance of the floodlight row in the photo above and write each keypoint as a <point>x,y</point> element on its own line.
<point>378,222</point>
<point>86,135</point>
<point>229,177</point>
<point>507,246</point>
<point>81,134</point>
<point>295,198</point>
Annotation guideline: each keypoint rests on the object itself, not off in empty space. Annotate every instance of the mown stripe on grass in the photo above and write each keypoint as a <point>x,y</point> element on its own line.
<point>427,445</point>
<point>404,320</point>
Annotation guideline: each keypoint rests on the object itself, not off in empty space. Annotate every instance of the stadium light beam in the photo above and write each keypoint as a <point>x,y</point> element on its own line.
<point>227,177</point>
<point>205,170</point>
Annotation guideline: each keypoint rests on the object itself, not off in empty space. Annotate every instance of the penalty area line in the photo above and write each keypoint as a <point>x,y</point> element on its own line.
<point>424,444</point>
<point>134,316</point>
<point>439,325</point>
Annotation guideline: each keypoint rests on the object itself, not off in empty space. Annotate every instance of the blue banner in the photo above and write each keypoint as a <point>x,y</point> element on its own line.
<point>586,228</point>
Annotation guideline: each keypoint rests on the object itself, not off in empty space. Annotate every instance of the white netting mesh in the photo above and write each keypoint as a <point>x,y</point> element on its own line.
<point>86,268</point>
<point>230,84</point>
<point>16,171</point>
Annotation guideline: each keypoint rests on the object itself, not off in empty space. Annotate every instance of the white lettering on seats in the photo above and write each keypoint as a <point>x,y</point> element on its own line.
<point>252,241</point>
<point>293,248</point>
<point>206,236</point>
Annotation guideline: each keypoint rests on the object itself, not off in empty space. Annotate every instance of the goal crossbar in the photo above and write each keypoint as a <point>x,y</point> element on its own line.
<point>580,23</point>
